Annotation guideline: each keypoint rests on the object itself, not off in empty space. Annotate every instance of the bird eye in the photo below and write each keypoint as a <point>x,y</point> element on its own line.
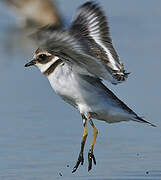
<point>42,57</point>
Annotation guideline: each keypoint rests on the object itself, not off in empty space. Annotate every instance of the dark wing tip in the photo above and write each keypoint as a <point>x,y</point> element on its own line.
<point>89,8</point>
<point>90,4</point>
<point>120,76</point>
<point>144,121</point>
<point>93,7</point>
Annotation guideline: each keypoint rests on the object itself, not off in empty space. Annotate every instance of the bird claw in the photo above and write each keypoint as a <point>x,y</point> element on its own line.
<point>80,160</point>
<point>90,158</point>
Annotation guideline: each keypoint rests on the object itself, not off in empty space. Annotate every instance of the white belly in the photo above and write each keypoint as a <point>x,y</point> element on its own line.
<point>87,98</point>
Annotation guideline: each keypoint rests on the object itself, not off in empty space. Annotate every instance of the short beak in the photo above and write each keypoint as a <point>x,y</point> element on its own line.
<point>31,63</point>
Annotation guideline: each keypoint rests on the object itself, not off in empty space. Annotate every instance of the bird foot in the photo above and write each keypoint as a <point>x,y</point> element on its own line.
<point>80,160</point>
<point>90,158</point>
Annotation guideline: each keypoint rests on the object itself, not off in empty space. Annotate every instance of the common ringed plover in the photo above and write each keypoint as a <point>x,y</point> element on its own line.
<point>75,61</point>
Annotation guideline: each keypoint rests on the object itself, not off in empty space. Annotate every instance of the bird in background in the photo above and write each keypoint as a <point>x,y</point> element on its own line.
<point>75,61</point>
<point>35,13</point>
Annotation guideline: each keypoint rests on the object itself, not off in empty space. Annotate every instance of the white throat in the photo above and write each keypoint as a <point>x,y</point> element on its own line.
<point>44,67</point>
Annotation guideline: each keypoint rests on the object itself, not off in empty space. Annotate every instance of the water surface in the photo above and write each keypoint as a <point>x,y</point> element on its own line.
<point>40,135</point>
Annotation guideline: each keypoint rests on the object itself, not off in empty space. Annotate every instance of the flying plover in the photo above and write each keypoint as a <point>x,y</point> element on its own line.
<point>75,61</point>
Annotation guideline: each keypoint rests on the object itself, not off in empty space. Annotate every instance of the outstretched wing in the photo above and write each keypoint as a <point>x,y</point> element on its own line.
<point>92,25</point>
<point>69,48</point>
<point>86,44</point>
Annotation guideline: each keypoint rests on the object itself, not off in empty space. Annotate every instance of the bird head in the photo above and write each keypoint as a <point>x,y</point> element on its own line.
<point>42,59</point>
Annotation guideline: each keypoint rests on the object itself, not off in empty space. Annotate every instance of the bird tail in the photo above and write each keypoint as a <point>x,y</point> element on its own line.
<point>141,120</point>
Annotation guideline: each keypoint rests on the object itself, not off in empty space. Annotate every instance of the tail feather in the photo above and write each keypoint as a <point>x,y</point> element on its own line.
<point>139,119</point>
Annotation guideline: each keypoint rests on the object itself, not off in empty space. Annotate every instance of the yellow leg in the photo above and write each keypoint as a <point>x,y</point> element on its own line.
<point>84,134</point>
<point>95,132</point>
<point>81,158</point>
<point>90,153</point>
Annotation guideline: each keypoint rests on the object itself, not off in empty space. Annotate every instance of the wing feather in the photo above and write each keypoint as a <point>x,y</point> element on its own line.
<point>69,48</point>
<point>92,24</point>
<point>86,45</point>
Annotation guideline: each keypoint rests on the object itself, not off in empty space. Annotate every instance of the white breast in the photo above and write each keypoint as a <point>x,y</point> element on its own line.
<point>85,96</point>
<point>72,89</point>
<point>64,84</point>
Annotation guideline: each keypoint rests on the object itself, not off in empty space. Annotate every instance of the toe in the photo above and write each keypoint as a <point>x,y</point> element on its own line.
<point>89,161</point>
<point>90,158</point>
<point>80,160</point>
